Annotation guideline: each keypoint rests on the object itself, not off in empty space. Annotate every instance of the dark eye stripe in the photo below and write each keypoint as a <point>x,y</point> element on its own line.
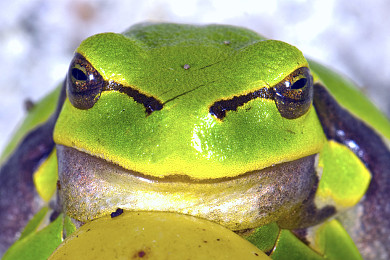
<point>85,85</point>
<point>150,103</point>
<point>219,108</point>
<point>293,96</point>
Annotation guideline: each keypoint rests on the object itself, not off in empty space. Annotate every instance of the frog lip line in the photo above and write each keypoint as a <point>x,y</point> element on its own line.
<point>179,178</point>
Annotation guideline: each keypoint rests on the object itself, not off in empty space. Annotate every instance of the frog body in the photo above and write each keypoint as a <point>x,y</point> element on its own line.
<point>211,121</point>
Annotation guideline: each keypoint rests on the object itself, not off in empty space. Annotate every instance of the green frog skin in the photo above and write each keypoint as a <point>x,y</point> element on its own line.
<point>213,121</point>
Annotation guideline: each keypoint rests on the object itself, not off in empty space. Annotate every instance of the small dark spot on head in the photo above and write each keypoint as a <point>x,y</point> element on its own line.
<point>186,66</point>
<point>141,253</point>
<point>256,254</point>
<point>226,42</point>
<point>218,239</point>
<point>203,229</point>
<point>88,230</point>
<point>118,212</point>
<point>205,241</point>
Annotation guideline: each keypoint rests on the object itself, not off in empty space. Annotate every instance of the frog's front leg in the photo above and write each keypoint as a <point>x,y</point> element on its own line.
<point>17,187</point>
<point>19,200</point>
<point>369,223</point>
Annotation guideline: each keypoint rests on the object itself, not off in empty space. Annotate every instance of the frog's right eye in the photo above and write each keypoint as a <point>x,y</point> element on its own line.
<point>83,83</point>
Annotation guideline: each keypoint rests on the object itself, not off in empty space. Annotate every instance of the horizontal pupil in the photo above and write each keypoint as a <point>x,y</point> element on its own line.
<point>299,84</point>
<point>79,74</point>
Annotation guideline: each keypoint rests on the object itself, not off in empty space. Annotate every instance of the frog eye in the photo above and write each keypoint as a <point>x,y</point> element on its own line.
<point>294,94</point>
<point>84,83</point>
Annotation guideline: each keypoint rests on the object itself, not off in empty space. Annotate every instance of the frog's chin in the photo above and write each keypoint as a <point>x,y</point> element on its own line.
<point>91,187</point>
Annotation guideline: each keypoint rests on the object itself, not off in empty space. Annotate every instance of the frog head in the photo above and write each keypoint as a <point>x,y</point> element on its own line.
<point>211,121</point>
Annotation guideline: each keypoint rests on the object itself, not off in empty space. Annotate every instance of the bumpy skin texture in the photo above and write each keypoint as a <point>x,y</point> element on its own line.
<point>182,105</point>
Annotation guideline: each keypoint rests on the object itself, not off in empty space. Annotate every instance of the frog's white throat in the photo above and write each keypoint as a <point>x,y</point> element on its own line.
<point>91,187</point>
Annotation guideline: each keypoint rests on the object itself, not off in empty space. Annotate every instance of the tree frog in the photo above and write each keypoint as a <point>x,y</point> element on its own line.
<point>215,122</point>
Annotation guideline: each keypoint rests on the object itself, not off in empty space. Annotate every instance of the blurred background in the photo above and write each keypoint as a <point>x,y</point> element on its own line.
<point>38,37</point>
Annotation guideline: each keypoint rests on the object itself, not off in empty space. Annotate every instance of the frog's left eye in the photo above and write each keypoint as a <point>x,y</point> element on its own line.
<point>294,94</point>
<point>84,83</point>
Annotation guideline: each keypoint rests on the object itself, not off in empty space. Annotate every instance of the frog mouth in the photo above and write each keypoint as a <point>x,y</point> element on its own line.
<point>92,187</point>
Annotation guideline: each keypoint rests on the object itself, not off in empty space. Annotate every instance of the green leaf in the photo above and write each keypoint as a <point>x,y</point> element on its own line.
<point>289,247</point>
<point>37,245</point>
<point>334,241</point>
<point>264,237</point>
<point>34,223</point>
